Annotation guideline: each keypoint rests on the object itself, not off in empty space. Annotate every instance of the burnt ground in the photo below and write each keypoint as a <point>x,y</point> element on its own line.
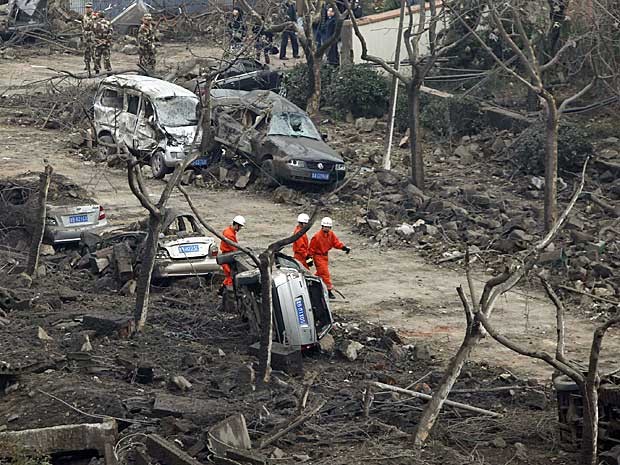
<point>388,281</point>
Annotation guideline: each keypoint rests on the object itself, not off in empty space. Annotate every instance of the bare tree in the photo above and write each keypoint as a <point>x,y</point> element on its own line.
<point>312,51</point>
<point>480,310</point>
<point>414,35</point>
<point>39,229</point>
<point>530,73</point>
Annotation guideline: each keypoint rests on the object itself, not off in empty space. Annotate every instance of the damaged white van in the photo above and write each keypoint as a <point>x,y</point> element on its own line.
<point>156,120</point>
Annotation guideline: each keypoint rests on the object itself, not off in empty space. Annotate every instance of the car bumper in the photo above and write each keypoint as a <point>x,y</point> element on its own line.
<point>308,175</point>
<point>180,268</point>
<point>60,235</point>
<point>173,157</point>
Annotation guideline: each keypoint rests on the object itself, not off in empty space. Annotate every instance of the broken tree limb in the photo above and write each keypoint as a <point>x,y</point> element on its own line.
<point>592,296</point>
<point>292,425</point>
<point>39,230</point>
<point>605,206</point>
<point>451,403</point>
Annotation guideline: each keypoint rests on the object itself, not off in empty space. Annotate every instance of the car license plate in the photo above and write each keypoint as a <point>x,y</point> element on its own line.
<point>74,219</point>
<point>321,176</point>
<point>301,311</point>
<point>200,162</point>
<point>189,248</point>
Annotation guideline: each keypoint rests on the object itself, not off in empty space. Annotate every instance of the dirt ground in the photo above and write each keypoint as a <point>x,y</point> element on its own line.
<point>390,287</point>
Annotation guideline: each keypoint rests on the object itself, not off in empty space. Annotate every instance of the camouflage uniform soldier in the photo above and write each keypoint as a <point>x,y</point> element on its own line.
<point>102,30</point>
<point>146,43</point>
<point>87,35</point>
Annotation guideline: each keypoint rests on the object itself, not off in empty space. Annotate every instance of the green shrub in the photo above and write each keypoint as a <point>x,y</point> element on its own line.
<point>295,83</point>
<point>358,89</point>
<point>574,146</point>
<point>446,117</point>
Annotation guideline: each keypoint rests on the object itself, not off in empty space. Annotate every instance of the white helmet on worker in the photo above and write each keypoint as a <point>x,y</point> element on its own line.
<point>327,221</point>
<point>240,220</point>
<point>303,218</point>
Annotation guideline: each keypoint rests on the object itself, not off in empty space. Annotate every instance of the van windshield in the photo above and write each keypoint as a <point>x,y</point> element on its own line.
<point>293,124</point>
<point>177,111</point>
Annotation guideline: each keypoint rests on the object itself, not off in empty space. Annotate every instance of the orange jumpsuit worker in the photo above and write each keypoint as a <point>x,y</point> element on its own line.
<point>300,246</point>
<point>230,233</point>
<point>322,242</point>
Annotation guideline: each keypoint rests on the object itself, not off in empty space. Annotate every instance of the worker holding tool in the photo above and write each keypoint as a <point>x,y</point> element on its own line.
<point>322,242</point>
<point>300,246</point>
<point>230,233</point>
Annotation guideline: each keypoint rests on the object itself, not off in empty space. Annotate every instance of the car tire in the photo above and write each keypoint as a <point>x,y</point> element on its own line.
<point>105,146</point>
<point>268,174</point>
<point>158,167</point>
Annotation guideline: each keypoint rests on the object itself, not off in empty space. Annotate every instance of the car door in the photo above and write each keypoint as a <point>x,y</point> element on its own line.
<point>146,133</point>
<point>129,119</point>
<point>107,109</point>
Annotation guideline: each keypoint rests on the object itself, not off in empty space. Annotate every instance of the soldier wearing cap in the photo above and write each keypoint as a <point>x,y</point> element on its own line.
<point>102,30</point>
<point>87,35</point>
<point>146,43</point>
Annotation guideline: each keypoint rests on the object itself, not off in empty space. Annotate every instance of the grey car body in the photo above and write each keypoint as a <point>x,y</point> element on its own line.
<point>301,312</point>
<point>183,248</point>
<point>155,120</point>
<point>65,222</point>
<point>275,135</point>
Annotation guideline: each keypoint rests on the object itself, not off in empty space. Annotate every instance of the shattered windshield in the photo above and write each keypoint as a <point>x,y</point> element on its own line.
<point>293,124</point>
<point>177,111</point>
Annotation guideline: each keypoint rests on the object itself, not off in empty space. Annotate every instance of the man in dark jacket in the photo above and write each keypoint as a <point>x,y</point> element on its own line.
<point>328,30</point>
<point>237,29</point>
<point>263,40</point>
<point>291,15</point>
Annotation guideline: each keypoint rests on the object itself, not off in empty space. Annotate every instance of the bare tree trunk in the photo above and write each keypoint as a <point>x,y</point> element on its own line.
<point>551,161</point>
<point>314,75</point>
<point>453,371</point>
<point>207,141</point>
<point>37,234</point>
<point>266,325</point>
<point>415,145</point>
<point>143,286</point>
<point>589,439</point>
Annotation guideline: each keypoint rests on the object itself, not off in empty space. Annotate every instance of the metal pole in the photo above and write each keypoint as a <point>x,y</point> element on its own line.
<point>387,163</point>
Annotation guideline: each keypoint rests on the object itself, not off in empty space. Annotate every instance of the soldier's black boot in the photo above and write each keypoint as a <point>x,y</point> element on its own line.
<point>331,294</point>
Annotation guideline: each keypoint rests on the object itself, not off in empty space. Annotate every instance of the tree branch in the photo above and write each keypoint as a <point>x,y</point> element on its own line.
<point>578,95</point>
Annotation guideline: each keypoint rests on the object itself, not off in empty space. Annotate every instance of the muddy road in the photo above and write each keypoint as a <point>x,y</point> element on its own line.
<point>392,287</point>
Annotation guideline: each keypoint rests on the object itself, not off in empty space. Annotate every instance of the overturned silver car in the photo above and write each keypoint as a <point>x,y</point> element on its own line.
<point>301,312</point>
<point>155,120</point>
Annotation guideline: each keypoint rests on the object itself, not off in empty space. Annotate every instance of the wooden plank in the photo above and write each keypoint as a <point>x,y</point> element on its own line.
<point>165,452</point>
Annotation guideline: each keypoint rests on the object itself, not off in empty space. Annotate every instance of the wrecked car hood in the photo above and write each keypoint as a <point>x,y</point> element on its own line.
<point>184,134</point>
<point>304,148</point>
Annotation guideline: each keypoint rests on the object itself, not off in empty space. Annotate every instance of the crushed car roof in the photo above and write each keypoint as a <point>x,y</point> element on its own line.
<point>155,88</point>
<point>260,99</point>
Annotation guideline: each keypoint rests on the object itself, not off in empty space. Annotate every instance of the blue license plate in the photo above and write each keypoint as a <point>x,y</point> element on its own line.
<point>200,162</point>
<point>321,176</point>
<point>73,219</point>
<point>189,248</point>
<point>301,311</point>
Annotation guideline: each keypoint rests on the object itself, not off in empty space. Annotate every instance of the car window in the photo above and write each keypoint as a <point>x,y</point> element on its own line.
<point>294,125</point>
<point>133,104</point>
<point>148,109</point>
<point>183,225</point>
<point>111,98</point>
<point>178,111</point>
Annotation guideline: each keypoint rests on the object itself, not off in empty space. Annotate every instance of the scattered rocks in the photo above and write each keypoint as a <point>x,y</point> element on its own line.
<point>422,352</point>
<point>405,230</point>
<point>130,49</point>
<point>349,349</point>
<point>327,344</point>
<point>42,335</point>
<point>499,442</point>
<point>365,124</point>
<point>283,194</point>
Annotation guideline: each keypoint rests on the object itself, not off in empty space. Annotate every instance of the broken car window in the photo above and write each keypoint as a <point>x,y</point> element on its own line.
<point>293,124</point>
<point>110,98</point>
<point>133,102</point>
<point>177,111</point>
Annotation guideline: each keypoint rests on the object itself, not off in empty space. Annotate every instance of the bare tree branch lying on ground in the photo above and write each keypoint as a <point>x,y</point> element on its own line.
<point>480,311</point>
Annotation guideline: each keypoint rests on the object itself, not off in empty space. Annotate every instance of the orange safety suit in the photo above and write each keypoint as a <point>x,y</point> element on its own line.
<point>230,234</point>
<point>300,248</point>
<point>321,243</point>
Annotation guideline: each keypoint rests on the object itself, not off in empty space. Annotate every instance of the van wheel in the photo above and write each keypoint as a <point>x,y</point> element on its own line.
<point>158,167</point>
<point>105,147</point>
<point>268,174</point>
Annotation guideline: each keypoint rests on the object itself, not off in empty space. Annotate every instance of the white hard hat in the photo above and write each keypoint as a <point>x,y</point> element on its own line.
<point>303,218</point>
<point>327,221</point>
<point>239,220</point>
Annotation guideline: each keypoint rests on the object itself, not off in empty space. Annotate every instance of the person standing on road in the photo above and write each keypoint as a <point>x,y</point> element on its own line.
<point>237,30</point>
<point>263,41</point>
<point>322,242</point>
<point>87,35</point>
<point>146,43</point>
<point>102,30</point>
<point>290,15</point>
<point>300,246</point>
<point>230,233</point>
<point>328,30</point>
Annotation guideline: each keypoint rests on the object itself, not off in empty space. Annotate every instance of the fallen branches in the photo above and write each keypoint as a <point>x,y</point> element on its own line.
<point>292,425</point>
